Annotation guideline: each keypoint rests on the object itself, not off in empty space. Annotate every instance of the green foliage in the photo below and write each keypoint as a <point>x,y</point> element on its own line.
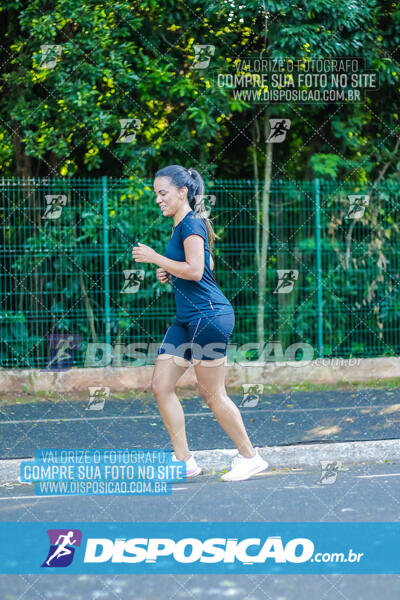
<point>326,165</point>
<point>134,60</point>
<point>126,60</point>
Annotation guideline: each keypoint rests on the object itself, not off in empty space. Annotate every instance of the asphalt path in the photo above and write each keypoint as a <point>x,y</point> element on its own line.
<point>277,419</point>
<point>360,493</point>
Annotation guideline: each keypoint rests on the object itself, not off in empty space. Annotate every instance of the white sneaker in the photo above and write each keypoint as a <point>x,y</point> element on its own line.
<point>192,468</point>
<point>243,468</point>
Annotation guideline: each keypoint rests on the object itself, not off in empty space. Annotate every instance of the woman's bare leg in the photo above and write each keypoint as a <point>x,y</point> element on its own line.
<point>211,380</point>
<point>167,370</point>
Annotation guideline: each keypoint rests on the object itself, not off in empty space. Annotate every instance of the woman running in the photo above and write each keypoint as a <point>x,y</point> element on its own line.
<point>203,323</point>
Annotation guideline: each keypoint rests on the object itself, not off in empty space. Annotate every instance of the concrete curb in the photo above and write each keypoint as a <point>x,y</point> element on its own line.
<point>307,455</point>
<point>302,455</point>
<point>129,378</point>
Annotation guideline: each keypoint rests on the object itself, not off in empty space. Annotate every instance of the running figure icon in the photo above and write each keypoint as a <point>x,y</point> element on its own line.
<point>62,549</point>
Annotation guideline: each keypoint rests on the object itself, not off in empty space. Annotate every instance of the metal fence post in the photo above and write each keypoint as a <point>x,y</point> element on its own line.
<point>319,267</point>
<point>106,268</point>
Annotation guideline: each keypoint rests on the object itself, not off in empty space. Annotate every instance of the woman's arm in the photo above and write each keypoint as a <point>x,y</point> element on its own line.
<point>211,263</point>
<point>192,268</point>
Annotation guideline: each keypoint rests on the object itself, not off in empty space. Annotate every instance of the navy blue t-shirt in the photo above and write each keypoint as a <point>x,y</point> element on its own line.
<point>194,299</point>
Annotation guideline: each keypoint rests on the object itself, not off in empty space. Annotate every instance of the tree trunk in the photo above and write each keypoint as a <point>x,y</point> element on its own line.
<point>262,272</point>
<point>256,141</point>
<point>23,164</point>
<point>89,310</point>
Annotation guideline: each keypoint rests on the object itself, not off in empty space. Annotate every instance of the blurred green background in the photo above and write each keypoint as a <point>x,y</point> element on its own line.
<point>278,206</point>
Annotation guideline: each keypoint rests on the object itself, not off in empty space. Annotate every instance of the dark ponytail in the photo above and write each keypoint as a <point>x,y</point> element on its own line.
<point>192,179</point>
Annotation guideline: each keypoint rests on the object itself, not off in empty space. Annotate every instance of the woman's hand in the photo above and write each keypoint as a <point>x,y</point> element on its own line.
<point>144,254</point>
<point>163,276</point>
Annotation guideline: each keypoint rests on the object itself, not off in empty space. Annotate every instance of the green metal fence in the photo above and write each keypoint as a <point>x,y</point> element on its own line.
<point>65,244</point>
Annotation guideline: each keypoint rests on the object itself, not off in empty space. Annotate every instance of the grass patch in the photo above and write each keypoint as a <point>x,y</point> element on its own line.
<point>274,388</point>
<point>186,394</point>
<point>44,397</point>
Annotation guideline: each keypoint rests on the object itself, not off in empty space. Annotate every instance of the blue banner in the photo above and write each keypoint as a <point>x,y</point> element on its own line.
<point>225,548</point>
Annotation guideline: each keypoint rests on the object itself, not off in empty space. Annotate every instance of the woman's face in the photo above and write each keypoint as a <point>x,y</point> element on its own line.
<point>168,197</point>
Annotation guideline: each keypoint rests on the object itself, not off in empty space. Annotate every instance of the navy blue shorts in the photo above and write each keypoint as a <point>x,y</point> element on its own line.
<point>205,338</point>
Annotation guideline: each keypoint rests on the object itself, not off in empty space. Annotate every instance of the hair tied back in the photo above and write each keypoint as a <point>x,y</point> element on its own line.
<point>178,176</point>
